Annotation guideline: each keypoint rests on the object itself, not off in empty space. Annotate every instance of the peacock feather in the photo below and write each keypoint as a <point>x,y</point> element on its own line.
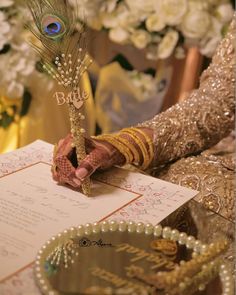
<point>62,48</point>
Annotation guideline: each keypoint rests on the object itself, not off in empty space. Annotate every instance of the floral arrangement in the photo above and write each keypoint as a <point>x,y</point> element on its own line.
<point>145,83</point>
<point>17,63</point>
<point>162,27</point>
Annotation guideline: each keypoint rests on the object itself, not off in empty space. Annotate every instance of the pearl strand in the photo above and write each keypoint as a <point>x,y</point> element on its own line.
<point>226,280</point>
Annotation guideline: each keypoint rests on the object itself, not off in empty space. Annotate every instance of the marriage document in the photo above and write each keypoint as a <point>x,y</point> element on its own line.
<point>33,207</point>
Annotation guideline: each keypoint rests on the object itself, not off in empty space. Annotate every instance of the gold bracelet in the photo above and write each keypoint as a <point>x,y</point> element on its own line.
<point>131,147</point>
<point>137,139</point>
<point>148,140</point>
<point>123,149</point>
<point>142,147</point>
<point>118,145</point>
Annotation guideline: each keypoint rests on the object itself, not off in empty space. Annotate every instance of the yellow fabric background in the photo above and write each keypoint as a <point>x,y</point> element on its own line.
<point>45,120</point>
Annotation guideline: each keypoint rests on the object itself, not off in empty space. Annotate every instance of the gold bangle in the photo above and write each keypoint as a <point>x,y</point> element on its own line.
<point>126,142</point>
<point>122,148</point>
<point>148,140</point>
<point>137,139</point>
<point>118,145</point>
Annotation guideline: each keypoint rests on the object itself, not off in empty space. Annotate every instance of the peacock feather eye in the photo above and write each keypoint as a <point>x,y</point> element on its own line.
<point>53,27</point>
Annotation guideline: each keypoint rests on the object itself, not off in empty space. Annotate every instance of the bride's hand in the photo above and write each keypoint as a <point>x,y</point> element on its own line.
<point>100,155</point>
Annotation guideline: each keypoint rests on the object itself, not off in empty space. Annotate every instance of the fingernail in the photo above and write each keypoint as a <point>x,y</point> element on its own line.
<point>76,180</point>
<point>81,173</point>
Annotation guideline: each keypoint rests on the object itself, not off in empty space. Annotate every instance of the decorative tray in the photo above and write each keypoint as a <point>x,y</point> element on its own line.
<point>129,258</point>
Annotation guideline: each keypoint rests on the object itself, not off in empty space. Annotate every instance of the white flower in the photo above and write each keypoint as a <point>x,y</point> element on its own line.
<point>6,3</point>
<point>145,83</point>
<point>127,17</point>
<point>15,89</point>
<point>168,43</point>
<point>155,23</point>
<point>225,12</point>
<point>119,35</point>
<point>114,19</point>
<point>15,68</point>
<point>92,11</point>
<point>195,24</point>
<point>141,5</point>
<point>121,17</point>
<point>4,30</point>
<point>95,23</point>
<point>209,48</point>
<point>19,62</point>
<point>140,39</point>
<point>88,11</point>
<point>131,20</point>
<point>198,5</point>
<point>110,20</point>
<point>210,41</point>
<point>172,11</point>
<point>108,6</point>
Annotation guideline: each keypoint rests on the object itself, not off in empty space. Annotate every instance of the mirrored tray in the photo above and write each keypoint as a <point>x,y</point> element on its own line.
<point>116,258</point>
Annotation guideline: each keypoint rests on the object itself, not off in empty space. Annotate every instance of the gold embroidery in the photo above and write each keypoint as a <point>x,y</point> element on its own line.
<point>167,247</point>
<point>159,260</point>
<point>117,281</point>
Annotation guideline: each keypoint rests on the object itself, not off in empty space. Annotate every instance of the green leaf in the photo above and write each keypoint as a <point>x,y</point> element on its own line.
<point>26,101</point>
<point>124,63</point>
<point>5,49</point>
<point>39,67</point>
<point>6,120</point>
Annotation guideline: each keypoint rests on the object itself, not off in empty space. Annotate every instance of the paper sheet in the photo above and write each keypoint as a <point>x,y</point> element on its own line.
<point>33,208</point>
